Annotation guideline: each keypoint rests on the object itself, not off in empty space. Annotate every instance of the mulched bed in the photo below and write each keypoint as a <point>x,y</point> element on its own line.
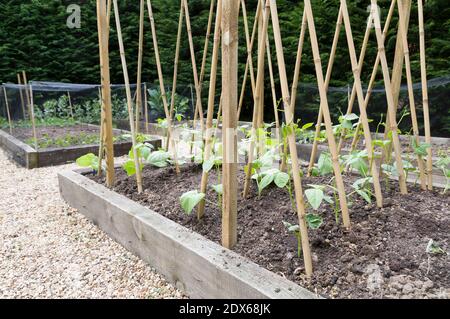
<point>382,256</point>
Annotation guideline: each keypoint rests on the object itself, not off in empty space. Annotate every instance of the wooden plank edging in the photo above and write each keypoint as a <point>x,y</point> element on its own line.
<point>196,265</point>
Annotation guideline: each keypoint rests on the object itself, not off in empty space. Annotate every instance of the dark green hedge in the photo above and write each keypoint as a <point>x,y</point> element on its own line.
<point>34,37</point>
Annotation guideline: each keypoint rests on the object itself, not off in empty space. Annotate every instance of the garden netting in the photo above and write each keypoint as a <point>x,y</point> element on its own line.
<point>308,101</point>
<point>68,114</point>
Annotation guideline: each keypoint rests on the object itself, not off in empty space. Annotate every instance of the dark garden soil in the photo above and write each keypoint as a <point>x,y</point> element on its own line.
<point>382,256</point>
<point>60,136</point>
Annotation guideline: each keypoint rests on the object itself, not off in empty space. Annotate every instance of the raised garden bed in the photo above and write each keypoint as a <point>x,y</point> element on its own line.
<point>383,256</point>
<point>59,145</point>
<point>196,265</point>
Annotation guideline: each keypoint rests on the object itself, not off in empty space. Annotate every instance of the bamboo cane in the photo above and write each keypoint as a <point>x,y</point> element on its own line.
<point>249,55</point>
<point>210,113</point>
<point>129,98</point>
<point>175,69</point>
<point>70,104</point>
<point>352,95</point>
<point>139,63</point>
<point>257,97</point>
<point>326,115</point>
<point>312,159</point>
<point>294,85</point>
<point>161,80</point>
<point>272,85</point>
<point>7,110</point>
<point>103,25</point>
<point>426,113</point>
<point>298,62</point>
<point>396,78</point>
<point>198,104</point>
<point>372,77</point>
<point>360,95</point>
<point>260,114</point>
<point>412,104</point>
<point>202,72</point>
<point>390,98</point>
<point>33,122</point>
<point>146,108</point>
<point>19,81</point>
<point>230,11</point>
<point>300,204</point>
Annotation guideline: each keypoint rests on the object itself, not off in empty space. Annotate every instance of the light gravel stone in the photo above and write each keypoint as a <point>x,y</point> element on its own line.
<point>48,250</point>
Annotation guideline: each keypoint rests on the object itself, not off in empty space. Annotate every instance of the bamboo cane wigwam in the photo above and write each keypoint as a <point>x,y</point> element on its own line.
<point>225,38</point>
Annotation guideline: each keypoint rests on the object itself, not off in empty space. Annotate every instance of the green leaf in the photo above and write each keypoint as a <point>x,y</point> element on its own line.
<point>158,159</point>
<point>325,164</point>
<point>433,248</point>
<point>87,160</point>
<point>190,199</point>
<point>208,165</point>
<point>314,197</point>
<point>350,117</point>
<point>265,181</point>
<point>314,221</point>
<point>281,179</point>
<point>218,188</point>
<point>291,228</point>
<point>130,167</point>
<point>364,195</point>
<point>307,126</point>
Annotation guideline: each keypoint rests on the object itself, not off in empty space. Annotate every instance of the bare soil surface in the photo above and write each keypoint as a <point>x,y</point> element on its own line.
<point>382,256</point>
<point>58,136</point>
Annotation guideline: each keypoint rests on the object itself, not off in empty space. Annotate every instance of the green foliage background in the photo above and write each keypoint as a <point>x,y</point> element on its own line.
<point>34,37</point>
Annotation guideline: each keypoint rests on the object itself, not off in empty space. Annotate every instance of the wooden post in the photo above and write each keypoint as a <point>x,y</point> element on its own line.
<point>129,98</point>
<point>27,93</point>
<point>326,115</point>
<point>426,113</point>
<point>101,141</point>
<point>356,66</point>
<point>412,104</point>
<point>262,35</point>
<point>33,122</point>
<point>390,98</point>
<point>70,104</point>
<point>198,104</point>
<point>7,110</point>
<point>257,103</point>
<point>312,159</point>
<point>298,191</point>
<point>22,103</point>
<point>230,10</point>
<point>103,15</point>
<point>139,67</point>
<point>210,113</point>
<point>372,77</point>
<point>161,83</point>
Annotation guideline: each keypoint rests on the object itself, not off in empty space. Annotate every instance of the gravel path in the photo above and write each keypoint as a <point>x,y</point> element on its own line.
<point>48,250</point>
